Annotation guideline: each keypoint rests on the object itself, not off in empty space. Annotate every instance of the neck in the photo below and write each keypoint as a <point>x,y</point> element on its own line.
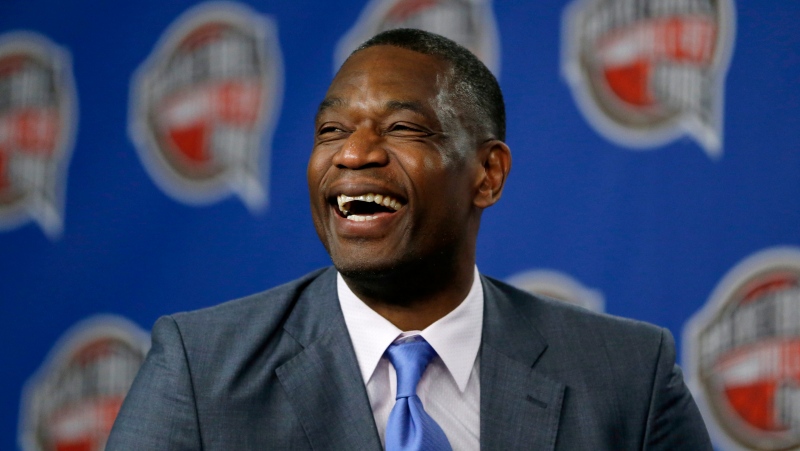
<point>417,295</point>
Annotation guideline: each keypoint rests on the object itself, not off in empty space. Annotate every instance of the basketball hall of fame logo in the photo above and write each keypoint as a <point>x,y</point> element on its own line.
<point>38,116</point>
<point>203,105</point>
<point>742,354</point>
<point>73,399</point>
<point>645,72</point>
<point>470,23</point>
<point>557,285</point>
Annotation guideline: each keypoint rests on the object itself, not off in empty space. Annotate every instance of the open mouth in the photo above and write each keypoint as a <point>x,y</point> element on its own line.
<point>366,207</point>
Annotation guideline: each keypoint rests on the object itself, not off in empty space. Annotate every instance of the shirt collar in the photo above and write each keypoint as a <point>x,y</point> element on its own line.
<point>456,337</point>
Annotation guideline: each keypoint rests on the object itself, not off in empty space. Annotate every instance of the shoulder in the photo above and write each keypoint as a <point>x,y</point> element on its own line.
<point>619,374</point>
<point>583,348</point>
<point>609,365</point>
<point>264,305</point>
<point>250,319</point>
<point>567,322</point>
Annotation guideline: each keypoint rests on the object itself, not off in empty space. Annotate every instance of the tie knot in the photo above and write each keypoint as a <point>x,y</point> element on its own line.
<point>409,358</point>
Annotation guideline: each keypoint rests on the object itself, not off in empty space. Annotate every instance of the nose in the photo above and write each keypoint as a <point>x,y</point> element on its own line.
<point>361,150</point>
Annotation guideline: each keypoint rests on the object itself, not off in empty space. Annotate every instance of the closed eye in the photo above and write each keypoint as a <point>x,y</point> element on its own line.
<point>328,132</point>
<point>329,129</point>
<point>409,130</point>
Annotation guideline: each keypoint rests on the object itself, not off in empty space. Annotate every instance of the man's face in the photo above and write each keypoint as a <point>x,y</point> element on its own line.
<point>393,172</point>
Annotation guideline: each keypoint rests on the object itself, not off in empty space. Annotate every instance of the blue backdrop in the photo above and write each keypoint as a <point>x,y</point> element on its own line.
<point>651,229</point>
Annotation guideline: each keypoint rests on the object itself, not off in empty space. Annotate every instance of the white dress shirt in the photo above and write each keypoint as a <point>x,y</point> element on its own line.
<point>450,387</point>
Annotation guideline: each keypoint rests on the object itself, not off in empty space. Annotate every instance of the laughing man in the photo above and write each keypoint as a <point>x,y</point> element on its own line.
<point>402,344</point>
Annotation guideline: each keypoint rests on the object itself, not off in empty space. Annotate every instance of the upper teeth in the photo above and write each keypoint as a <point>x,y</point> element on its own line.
<point>386,201</point>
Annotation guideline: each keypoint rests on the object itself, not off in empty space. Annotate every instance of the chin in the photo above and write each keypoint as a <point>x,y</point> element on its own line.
<point>363,269</point>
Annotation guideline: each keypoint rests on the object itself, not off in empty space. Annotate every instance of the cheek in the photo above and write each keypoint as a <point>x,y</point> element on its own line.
<point>436,171</point>
<point>317,166</point>
<point>434,163</point>
<point>428,175</point>
<point>446,171</point>
<point>315,177</point>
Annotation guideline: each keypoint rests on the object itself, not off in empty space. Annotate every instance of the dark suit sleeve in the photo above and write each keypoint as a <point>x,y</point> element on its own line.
<point>159,412</point>
<point>673,422</point>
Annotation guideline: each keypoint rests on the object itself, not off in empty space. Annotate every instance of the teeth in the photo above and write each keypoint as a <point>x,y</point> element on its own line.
<point>386,201</point>
<point>359,218</point>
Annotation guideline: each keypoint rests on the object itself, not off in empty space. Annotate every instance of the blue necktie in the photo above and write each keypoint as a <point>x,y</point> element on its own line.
<point>410,427</point>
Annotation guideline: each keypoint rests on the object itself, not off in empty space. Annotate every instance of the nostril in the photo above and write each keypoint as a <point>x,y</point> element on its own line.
<point>360,151</point>
<point>360,166</point>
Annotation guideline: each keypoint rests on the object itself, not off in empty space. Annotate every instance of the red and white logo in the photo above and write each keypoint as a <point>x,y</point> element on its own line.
<point>743,354</point>
<point>38,117</point>
<point>645,72</point>
<point>470,23</point>
<point>558,285</point>
<point>204,104</point>
<point>73,399</point>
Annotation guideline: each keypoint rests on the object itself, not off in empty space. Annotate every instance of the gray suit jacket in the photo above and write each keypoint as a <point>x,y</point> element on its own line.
<point>276,370</point>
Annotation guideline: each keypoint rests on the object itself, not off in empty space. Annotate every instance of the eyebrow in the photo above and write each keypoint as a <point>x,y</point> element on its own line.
<point>329,102</point>
<point>391,105</point>
<point>397,105</point>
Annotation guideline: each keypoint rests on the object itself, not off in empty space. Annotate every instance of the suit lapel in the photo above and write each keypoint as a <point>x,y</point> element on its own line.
<point>520,407</point>
<point>323,382</point>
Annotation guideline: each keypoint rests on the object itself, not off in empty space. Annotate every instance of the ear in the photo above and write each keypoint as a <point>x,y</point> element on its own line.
<point>495,158</point>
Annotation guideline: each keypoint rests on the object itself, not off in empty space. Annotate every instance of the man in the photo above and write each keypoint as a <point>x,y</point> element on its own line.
<point>408,153</point>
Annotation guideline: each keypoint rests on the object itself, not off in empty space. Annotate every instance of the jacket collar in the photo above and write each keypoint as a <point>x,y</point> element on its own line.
<point>322,381</point>
<point>520,407</point>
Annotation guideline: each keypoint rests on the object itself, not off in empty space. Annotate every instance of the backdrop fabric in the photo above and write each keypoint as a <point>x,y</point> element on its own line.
<point>153,158</point>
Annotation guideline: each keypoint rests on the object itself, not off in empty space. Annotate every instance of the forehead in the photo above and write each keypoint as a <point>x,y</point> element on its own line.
<point>387,73</point>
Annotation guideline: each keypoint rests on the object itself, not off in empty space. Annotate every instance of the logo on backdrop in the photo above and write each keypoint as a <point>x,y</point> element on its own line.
<point>645,72</point>
<point>471,23</point>
<point>204,103</point>
<point>743,353</point>
<point>557,285</point>
<point>38,117</point>
<point>72,400</point>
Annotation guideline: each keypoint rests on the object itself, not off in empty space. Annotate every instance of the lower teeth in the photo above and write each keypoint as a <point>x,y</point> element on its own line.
<point>359,218</point>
